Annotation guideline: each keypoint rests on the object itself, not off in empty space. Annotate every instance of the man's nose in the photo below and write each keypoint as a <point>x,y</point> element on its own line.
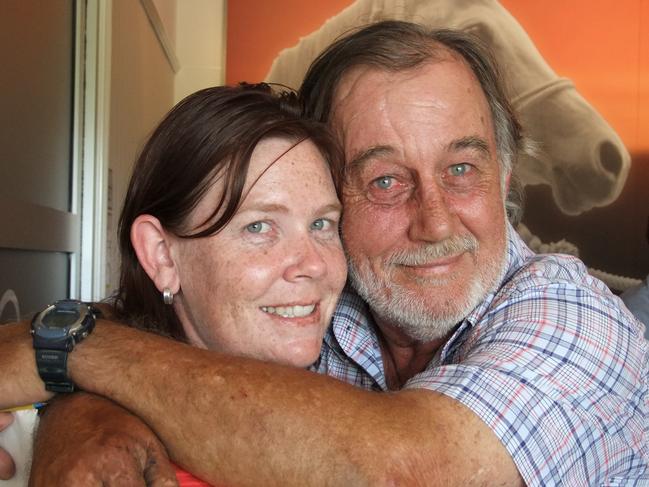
<point>305,260</point>
<point>432,218</point>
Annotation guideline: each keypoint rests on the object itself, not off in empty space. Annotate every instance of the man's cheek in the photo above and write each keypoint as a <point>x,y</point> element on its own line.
<point>369,230</point>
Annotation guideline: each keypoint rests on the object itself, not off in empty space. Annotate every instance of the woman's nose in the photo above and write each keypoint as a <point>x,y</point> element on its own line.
<point>305,260</point>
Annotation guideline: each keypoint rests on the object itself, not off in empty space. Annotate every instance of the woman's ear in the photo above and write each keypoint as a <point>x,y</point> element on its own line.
<point>152,247</point>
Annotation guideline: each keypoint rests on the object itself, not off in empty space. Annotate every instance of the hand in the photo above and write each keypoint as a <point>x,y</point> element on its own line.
<point>88,440</point>
<point>7,466</point>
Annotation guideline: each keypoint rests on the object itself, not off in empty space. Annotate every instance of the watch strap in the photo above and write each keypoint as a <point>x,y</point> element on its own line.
<point>53,369</point>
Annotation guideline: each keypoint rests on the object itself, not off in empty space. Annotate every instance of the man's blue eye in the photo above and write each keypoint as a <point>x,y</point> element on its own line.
<point>459,169</point>
<point>258,227</point>
<point>384,182</point>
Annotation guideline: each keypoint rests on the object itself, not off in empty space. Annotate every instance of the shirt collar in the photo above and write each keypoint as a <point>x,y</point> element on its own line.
<point>355,331</point>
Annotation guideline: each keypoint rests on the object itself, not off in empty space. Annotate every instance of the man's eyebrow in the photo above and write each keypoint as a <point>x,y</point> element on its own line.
<point>360,158</point>
<point>471,142</point>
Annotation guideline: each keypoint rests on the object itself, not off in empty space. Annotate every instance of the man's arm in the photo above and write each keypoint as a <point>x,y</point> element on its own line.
<point>244,422</point>
<point>88,440</point>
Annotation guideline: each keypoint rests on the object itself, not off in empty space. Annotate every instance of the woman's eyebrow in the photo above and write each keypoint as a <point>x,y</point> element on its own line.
<point>266,207</point>
<point>280,208</point>
<point>337,207</point>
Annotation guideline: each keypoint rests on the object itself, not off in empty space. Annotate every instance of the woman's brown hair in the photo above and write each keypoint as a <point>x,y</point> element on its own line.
<point>211,132</point>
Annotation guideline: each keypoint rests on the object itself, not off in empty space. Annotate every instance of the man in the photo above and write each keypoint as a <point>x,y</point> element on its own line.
<point>506,368</point>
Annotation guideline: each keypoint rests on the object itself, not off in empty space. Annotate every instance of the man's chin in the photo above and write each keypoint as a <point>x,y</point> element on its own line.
<point>423,312</point>
<point>425,319</point>
<point>418,317</point>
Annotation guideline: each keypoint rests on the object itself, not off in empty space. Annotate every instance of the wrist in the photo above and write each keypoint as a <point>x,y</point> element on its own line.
<point>99,361</point>
<point>20,383</point>
<point>56,331</point>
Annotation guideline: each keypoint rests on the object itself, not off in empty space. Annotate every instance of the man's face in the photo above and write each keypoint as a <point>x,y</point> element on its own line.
<point>424,219</point>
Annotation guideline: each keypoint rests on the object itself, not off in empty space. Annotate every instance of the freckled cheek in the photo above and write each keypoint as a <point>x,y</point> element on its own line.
<point>198,267</point>
<point>253,276</point>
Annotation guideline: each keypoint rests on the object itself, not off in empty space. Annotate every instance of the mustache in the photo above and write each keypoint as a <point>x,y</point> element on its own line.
<point>427,253</point>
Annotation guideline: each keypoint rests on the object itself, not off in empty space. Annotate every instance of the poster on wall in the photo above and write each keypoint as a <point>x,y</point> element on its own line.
<point>582,96</point>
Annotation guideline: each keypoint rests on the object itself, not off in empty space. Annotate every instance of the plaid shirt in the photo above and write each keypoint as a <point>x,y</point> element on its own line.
<point>551,362</point>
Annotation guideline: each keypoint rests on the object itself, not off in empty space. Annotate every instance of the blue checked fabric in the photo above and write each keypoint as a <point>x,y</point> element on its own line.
<point>552,362</point>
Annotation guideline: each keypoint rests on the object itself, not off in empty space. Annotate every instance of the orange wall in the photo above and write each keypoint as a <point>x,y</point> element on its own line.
<point>259,29</point>
<point>603,46</point>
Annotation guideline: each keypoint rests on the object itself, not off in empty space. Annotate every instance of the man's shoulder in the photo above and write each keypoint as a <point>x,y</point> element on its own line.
<point>528,272</point>
<point>555,293</point>
<point>558,285</point>
<point>549,269</point>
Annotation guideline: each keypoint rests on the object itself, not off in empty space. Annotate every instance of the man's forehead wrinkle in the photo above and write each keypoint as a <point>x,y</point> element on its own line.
<point>351,113</point>
<point>351,83</point>
<point>357,77</point>
<point>397,110</point>
<point>407,114</point>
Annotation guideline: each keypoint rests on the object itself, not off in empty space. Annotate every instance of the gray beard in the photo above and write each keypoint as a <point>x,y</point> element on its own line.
<point>405,309</point>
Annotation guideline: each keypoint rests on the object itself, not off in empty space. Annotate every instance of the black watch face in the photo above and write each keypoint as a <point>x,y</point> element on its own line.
<point>60,318</point>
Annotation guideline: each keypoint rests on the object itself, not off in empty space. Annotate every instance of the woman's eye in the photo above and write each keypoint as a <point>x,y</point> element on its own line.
<point>384,182</point>
<point>321,224</point>
<point>459,169</point>
<point>258,227</point>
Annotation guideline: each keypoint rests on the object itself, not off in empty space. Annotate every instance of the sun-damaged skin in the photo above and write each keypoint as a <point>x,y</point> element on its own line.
<point>255,423</point>
<point>92,433</point>
<point>243,422</point>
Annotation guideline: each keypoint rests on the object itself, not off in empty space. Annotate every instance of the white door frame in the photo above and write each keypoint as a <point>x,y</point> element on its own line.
<point>91,126</point>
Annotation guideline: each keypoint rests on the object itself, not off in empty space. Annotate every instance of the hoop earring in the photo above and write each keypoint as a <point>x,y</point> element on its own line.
<point>167,296</point>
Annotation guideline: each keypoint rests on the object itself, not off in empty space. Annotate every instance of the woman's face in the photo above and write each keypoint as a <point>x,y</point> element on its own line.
<point>266,285</point>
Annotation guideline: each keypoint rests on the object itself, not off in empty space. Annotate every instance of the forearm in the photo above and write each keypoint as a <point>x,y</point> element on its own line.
<point>84,439</point>
<point>206,408</point>
<point>21,383</point>
<point>250,423</point>
<point>221,417</point>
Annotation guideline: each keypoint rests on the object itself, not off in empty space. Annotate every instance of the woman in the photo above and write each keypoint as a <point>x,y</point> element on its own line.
<point>232,212</point>
<point>232,217</point>
<point>229,233</point>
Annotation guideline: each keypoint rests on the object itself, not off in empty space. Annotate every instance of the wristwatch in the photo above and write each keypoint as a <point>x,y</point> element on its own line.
<point>55,332</point>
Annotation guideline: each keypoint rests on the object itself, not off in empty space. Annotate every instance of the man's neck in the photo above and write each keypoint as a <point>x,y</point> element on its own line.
<point>403,357</point>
